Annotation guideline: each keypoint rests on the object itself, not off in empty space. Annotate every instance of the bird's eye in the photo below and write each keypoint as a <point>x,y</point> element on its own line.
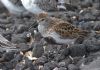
<point>42,19</point>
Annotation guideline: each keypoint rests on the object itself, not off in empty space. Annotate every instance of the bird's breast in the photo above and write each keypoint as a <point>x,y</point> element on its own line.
<point>42,30</point>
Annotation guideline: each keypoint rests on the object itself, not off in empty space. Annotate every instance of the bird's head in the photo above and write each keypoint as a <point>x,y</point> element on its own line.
<point>41,16</point>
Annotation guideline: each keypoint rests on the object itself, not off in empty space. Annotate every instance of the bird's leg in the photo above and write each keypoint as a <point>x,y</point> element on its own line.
<point>70,55</point>
<point>82,64</point>
<point>71,58</point>
<point>69,45</point>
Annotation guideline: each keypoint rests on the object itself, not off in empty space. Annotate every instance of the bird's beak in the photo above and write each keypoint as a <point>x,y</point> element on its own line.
<point>38,21</point>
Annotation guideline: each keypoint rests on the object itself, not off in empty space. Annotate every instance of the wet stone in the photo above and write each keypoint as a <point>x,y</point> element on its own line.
<point>72,67</point>
<point>7,56</point>
<point>41,60</point>
<point>37,50</point>
<point>45,68</point>
<point>77,50</point>
<point>61,68</point>
<point>62,64</point>
<point>23,47</point>
<point>51,65</point>
<point>19,66</point>
<point>20,38</point>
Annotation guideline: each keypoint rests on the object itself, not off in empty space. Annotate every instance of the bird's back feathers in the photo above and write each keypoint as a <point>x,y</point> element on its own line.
<point>64,28</point>
<point>60,31</point>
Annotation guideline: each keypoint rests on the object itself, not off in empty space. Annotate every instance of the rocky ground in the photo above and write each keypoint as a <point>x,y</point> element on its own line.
<point>34,53</point>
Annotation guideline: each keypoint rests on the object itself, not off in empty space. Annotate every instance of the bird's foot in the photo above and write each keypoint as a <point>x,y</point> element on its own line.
<point>71,58</point>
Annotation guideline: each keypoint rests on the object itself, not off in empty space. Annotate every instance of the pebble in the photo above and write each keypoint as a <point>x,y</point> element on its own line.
<point>77,50</point>
<point>7,57</point>
<point>51,65</point>
<point>23,47</point>
<point>20,38</point>
<point>41,60</point>
<point>94,65</point>
<point>37,50</point>
<point>72,67</point>
<point>61,68</point>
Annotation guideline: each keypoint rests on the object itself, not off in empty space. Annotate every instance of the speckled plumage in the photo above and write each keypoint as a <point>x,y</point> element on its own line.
<point>61,31</point>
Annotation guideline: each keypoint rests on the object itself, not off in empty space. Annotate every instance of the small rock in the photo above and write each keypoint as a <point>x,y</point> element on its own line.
<point>45,68</point>
<point>72,67</point>
<point>13,62</point>
<point>61,68</point>
<point>86,4</point>
<point>62,64</point>
<point>56,68</point>
<point>18,58</point>
<point>77,50</point>
<point>97,26</point>
<point>21,28</point>
<point>19,66</point>
<point>29,64</point>
<point>87,25</point>
<point>91,44</point>
<point>7,35</point>
<point>3,15</point>
<point>66,61</point>
<point>59,57</point>
<point>21,38</point>
<point>88,17</point>
<point>64,52</point>
<point>47,5</point>
<point>95,65</point>
<point>23,47</point>
<point>41,60</point>
<point>37,50</point>
<point>51,65</point>
<point>7,56</point>
<point>77,60</point>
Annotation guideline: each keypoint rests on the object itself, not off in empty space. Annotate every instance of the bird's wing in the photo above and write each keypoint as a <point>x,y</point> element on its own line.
<point>67,30</point>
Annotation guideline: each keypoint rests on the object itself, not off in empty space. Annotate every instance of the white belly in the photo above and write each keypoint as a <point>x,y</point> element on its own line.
<point>42,30</point>
<point>60,40</point>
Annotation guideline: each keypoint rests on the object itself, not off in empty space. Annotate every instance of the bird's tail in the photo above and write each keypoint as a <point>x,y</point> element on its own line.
<point>85,34</point>
<point>88,34</point>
